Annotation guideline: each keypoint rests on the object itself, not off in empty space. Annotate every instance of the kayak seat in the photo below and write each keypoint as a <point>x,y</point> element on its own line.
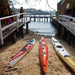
<point>43,48</point>
<point>31,40</point>
<point>43,53</point>
<point>67,56</point>
<point>43,45</point>
<point>55,41</point>
<point>23,49</point>
<point>58,46</point>
<point>44,65</point>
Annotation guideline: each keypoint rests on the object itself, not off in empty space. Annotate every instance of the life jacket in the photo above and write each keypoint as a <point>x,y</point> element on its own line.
<point>21,10</point>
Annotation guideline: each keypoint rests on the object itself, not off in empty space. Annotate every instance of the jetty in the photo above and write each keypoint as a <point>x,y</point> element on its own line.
<point>40,17</point>
<point>65,26</point>
<point>13,28</point>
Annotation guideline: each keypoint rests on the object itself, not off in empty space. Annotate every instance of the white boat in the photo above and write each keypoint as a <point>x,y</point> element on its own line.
<point>65,56</point>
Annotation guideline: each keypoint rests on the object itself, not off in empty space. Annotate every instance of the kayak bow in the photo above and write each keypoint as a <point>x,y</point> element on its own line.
<point>43,54</point>
<point>21,53</point>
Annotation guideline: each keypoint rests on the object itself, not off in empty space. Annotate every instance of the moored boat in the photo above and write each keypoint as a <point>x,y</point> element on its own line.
<point>43,54</point>
<point>64,55</point>
<point>21,53</point>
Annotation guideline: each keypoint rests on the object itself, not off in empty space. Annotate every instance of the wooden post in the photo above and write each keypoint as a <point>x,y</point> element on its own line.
<point>1,36</point>
<point>24,20</point>
<point>22,35</point>
<point>30,17</point>
<point>27,28</point>
<point>34,18</point>
<point>50,17</point>
<point>69,38</point>
<point>17,22</point>
<point>58,28</point>
<point>47,19</point>
<point>63,33</point>
<point>13,35</point>
<point>44,18</point>
<point>39,17</point>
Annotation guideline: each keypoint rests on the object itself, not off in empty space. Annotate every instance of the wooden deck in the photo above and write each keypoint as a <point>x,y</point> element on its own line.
<point>70,27</point>
<point>66,27</point>
<point>45,17</point>
<point>68,22</point>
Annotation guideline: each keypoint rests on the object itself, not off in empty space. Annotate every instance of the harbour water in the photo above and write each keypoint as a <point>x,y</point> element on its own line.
<point>42,28</point>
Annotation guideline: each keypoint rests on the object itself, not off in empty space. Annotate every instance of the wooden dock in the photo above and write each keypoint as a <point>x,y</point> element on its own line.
<point>40,17</point>
<point>13,28</point>
<point>65,26</point>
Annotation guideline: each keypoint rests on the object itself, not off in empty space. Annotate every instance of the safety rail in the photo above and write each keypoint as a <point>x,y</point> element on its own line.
<point>15,23</point>
<point>68,22</point>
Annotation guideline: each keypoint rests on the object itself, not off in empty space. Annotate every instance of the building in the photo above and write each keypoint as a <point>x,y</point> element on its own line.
<point>66,7</point>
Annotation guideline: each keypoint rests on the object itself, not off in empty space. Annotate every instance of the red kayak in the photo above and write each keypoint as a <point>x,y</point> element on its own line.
<point>21,53</point>
<point>43,54</point>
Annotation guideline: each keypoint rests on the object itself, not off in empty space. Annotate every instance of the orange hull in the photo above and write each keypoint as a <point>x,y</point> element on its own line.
<point>43,54</point>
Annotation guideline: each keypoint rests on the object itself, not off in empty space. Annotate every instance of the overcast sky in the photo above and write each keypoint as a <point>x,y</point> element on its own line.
<point>37,4</point>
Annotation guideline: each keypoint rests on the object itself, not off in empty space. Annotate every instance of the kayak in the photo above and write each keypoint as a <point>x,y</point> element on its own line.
<point>21,53</point>
<point>43,54</point>
<point>63,54</point>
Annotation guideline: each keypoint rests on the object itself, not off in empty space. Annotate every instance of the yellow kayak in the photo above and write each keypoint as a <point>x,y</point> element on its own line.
<point>60,50</point>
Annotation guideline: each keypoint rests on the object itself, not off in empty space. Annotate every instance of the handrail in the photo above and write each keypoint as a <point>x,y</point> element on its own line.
<point>67,16</point>
<point>8,26</point>
<point>13,15</point>
<point>68,22</point>
<point>7,17</point>
<point>12,24</point>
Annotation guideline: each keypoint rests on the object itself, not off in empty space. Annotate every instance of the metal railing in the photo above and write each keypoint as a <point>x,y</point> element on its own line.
<point>68,22</point>
<point>15,23</point>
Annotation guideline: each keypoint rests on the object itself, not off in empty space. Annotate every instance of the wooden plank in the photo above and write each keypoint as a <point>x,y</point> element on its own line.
<point>6,33</point>
<point>8,26</point>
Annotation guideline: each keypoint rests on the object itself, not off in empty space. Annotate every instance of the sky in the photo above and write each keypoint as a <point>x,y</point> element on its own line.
<point>37,4</point>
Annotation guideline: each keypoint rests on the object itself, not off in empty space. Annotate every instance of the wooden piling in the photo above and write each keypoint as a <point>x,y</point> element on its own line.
<point>30,18</point>
<point>50,17</point>
<point>58,28</point>
<point>34,18</point>
<point>13,36</point>
<point>44,19</point>
<point>39,17</point>
<point>21,31</point>
<point>63,34</point>
<point>47,19</point>
<point>69,38</point>
<point>27,28</point>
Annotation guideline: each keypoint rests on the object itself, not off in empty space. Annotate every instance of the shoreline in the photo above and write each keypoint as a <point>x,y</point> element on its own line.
<point>31,60</point>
